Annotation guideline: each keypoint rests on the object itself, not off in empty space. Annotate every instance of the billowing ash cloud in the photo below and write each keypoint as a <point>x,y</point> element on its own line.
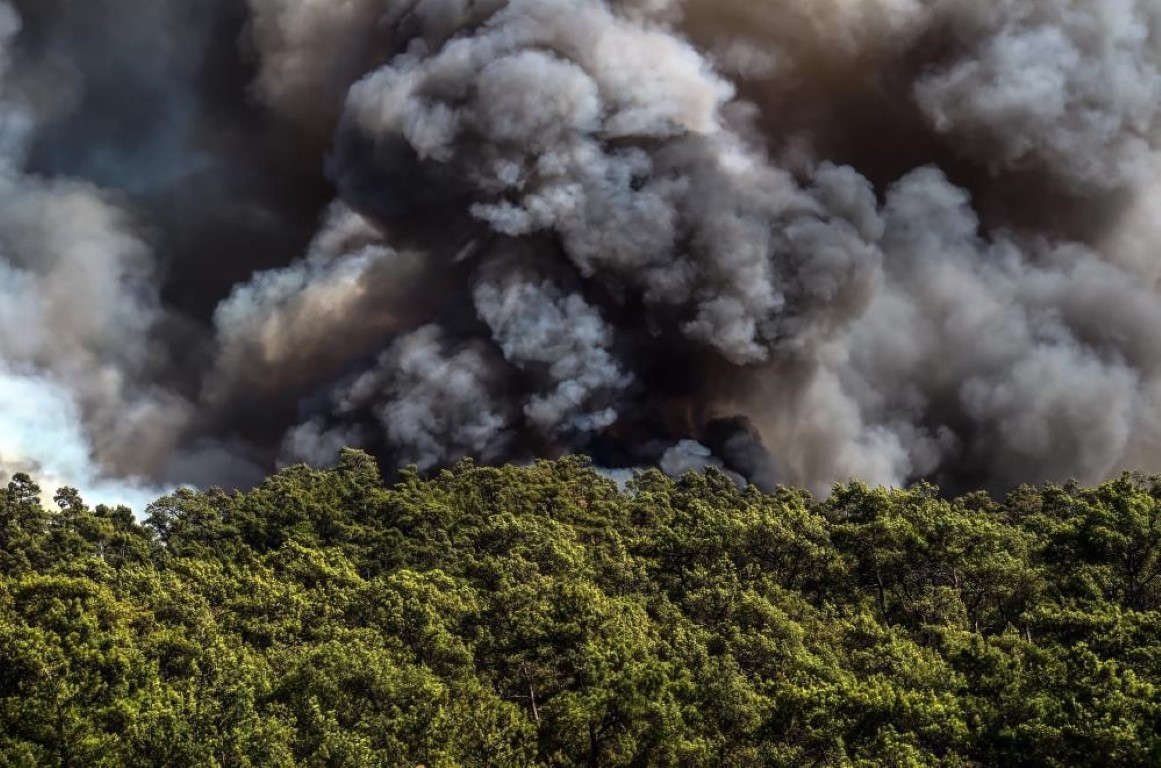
<point>560,340</point>
<point>1076,91</point>
<point>800,241</point>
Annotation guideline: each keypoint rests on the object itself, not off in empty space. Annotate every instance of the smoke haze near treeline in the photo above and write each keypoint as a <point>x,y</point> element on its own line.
<point>802,240</point>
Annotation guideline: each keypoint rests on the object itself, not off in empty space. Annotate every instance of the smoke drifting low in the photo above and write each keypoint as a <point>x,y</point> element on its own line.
<point>799,240</point>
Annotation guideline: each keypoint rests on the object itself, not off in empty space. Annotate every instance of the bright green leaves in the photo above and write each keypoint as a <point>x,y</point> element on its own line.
<point>539,616</point>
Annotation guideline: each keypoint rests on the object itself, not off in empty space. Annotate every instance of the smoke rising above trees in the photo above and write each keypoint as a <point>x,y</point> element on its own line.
<point>803,241</point>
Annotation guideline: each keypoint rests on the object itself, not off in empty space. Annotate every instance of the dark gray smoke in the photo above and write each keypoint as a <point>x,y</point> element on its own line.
<point>798,240</point>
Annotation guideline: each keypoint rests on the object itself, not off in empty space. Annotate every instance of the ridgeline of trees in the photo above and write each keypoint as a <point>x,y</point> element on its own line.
<point>540,616</point>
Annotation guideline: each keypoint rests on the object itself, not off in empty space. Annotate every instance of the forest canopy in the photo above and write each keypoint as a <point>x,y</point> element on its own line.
<point>543,615</point>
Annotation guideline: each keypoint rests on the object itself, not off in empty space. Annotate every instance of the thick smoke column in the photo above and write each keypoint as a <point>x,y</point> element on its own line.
<point>801,241</point>
<point>77,302</point>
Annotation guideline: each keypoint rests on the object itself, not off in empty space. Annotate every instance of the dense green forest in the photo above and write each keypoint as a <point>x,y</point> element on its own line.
<point>543,616</point>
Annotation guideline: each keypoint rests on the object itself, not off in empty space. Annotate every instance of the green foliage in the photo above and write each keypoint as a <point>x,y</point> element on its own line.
<point>541,616</point>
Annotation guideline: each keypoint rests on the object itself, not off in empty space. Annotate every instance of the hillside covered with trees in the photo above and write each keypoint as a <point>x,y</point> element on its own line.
<point>543,616</point>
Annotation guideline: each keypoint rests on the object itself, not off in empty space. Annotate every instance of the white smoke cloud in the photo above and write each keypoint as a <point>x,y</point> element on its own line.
<point>887,333</point>
<point>76,307</point>
<point>435,403</point>
<point>1074,88</point>
<point>890,238</point>
<point>536,326</point>
<point>296,322</point>
<point>40,435</point>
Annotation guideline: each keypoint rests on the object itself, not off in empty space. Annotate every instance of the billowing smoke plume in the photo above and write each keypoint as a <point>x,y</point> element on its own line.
<point>797,240</point>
